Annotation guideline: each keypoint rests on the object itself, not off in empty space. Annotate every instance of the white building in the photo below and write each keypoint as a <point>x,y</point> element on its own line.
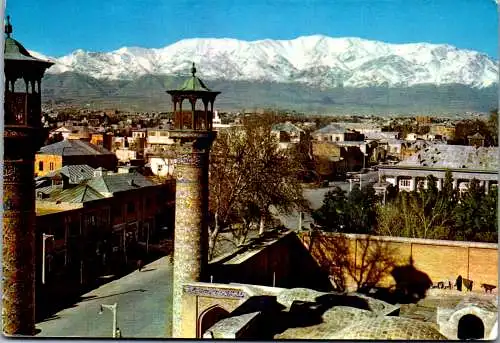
<point>162,166</point>
<point>465,163</point>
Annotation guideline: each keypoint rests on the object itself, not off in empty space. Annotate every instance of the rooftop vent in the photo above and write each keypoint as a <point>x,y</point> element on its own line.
<point>100,172</point>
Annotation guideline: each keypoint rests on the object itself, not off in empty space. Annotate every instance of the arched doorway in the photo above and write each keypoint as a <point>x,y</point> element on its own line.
<point>470,327</point>
<point>208,318</point>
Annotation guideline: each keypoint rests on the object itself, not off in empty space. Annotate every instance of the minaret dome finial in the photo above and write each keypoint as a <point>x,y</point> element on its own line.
<point>193,70</point>
<point>8,27</point>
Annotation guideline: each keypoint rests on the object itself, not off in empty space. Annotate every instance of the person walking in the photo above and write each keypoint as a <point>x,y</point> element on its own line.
<point>140,264</point>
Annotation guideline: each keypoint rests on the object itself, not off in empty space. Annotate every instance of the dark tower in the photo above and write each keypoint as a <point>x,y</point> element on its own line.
<point>193,137</point>
<point>23,136</point>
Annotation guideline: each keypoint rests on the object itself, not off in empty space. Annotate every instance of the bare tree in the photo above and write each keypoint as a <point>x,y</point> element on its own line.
<point>248,174</point>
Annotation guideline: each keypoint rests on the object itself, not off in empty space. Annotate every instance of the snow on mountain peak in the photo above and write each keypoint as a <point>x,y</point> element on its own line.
<point>316,60</point>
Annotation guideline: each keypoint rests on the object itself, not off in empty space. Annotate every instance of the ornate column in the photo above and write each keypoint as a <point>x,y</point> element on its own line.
<point>23,136</point>
<point>192,147</point>
<point>181,116</point>
<point>191,213</point>
<point>193,111</point>
<point>18,253</point>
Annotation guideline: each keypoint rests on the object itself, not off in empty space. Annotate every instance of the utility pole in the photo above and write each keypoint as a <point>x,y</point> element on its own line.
<point>147,241</point>
<point>44,239</point>
<point>300,220</point>
<point>113,309</point>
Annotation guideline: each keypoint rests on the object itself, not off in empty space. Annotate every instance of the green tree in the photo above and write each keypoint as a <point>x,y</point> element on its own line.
<point>354,213</point>
<point>424,214</point>
<point>331,216</point>
<point>475,215</point>
<point>361,210</point>
<point>493,126</point>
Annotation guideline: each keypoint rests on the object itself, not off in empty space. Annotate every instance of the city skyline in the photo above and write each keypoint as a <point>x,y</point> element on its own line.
<point>110,25</point>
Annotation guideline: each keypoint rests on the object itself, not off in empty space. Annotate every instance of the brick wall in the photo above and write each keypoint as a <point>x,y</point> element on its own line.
<point>283,260</point>
<point>439,259</point>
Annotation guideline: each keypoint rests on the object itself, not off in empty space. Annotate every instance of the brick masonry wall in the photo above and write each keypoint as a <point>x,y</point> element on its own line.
<point>440,260</point>
<point>483,266</point>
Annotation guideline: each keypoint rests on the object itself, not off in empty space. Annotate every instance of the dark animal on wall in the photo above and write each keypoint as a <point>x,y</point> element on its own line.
<point>468,284</point>
<point>488,287</point>
<point>458,283</point>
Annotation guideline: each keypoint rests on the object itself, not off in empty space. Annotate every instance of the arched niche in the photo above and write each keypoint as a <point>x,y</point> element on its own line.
<point>470,327</point>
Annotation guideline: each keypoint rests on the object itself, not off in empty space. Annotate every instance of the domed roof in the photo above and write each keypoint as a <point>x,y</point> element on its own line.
<point>194,83</point>
<point>389,327</point>
<point>15,50</point>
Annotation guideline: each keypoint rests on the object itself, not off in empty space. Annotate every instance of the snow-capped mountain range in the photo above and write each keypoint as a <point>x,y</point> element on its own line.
<point>318,60</point>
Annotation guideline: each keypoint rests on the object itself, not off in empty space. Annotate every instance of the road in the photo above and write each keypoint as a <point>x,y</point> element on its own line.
<point>144,305</point>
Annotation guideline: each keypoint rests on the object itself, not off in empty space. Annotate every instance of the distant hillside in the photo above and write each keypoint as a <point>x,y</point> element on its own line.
<point>148,93</point>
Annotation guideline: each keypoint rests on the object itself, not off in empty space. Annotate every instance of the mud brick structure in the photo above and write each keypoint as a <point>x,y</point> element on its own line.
<point>192,136</point>
<point>23,136</point>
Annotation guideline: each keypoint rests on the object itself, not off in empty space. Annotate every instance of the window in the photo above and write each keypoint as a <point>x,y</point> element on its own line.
<point>130,207</point>
<point>74,228</point>
<point>160,167</point>
<point>336,139</point>
<point>40,166</point>
<point>51,166</point>
<point>404,183</point>
<point>59,232</point>
<point>163,134</point>
<point>91,220</point>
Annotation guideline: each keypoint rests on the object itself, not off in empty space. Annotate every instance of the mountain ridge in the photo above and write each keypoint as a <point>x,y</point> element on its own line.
<point>315,61</point>
<point>147,93</point>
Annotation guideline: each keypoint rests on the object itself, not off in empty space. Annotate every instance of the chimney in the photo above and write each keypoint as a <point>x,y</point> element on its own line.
<point>100,172</point>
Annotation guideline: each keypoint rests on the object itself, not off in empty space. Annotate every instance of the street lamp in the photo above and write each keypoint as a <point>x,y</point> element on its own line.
<point>362,170</point>
<point>44,238</point>
<point>112,308</point>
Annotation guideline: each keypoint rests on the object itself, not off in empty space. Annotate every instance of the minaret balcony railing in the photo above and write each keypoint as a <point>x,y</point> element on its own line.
<point>22,109</point>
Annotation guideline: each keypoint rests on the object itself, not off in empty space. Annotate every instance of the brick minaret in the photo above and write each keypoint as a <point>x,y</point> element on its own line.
<point>193,137</point>
<point>23,136</point>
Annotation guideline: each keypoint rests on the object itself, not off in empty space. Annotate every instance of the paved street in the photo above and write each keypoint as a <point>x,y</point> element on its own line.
<point>144,307</point>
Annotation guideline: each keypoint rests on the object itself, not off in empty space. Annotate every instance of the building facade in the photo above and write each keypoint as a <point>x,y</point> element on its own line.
<point>70,152</point>
<point>464,162</point>
<point>100,226</point>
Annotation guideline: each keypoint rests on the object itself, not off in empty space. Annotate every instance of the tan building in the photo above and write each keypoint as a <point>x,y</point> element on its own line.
<point>423,120</point>
<point>446,132</point>
<point>55,156</point>
<point>287,134</point>
<point>336,133</point>
<point>102,139</point>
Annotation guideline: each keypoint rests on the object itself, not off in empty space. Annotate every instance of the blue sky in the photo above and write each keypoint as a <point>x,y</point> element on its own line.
<point>56,28</point>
